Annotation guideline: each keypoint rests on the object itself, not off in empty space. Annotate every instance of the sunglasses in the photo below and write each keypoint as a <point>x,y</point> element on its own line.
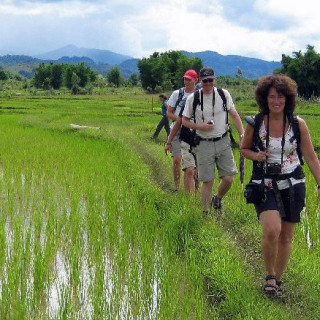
<point>207,80</point>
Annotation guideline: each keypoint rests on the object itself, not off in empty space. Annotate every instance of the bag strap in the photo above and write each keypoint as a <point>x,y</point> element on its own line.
<point>296,135</point>
<point>180,96</point>
<point>197,99</point>
<point>256,140</point>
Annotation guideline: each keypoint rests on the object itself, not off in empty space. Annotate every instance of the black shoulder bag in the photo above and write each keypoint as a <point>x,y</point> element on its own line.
<point>255,192</point>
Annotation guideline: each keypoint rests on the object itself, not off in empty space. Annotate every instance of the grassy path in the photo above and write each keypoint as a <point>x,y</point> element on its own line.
<point>237,225</point>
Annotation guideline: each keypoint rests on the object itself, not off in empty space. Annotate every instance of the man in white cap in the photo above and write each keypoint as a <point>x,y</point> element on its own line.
<point>180,152</point>
<point>214,149</point>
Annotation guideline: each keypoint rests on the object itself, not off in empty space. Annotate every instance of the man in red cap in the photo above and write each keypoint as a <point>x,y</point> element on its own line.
<point>180,150</point>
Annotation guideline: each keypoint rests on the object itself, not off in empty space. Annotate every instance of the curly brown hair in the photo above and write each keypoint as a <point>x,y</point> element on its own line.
<point>283,84</point>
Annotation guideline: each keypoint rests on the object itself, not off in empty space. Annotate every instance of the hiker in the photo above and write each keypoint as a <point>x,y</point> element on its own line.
<point>164,122</point>
<point>276,141</point>
<point>214,148</point>
<point>180,152</point>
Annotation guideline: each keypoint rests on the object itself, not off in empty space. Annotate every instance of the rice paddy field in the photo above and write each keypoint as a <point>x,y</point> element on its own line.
<point>90,227</point>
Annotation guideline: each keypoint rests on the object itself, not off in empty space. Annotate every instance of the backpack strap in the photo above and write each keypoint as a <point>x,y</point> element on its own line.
<point>293,118</point>
<point>180,96</point>
<point>256,122</point>
<point>223,97</point>
<point>257,167</point>
<point>196,102</point>
<point>224,105</point>
<point>224,102</point>
<point>196,99</point>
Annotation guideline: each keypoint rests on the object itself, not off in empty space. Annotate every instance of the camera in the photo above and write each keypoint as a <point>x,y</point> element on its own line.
<point>273,169</point>
<point>195,141</point>
<point>210,122</point>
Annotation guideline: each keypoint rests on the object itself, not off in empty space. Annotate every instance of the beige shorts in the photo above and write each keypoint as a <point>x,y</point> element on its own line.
<point>215,154</point>
<point>188,158</point>
<point>175,146</point>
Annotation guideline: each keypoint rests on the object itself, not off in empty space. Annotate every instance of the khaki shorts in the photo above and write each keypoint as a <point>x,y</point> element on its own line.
<point>217,154</point>
<point>175,146</point>
<point>188,158</point>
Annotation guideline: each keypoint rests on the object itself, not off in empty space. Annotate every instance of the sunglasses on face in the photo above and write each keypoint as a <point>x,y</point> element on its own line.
<point>207,80</point>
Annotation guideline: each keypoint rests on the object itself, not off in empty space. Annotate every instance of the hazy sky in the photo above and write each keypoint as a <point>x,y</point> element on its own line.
<point>262,29</point>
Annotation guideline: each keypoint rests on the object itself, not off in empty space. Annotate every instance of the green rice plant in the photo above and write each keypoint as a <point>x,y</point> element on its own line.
<point>90,228</point>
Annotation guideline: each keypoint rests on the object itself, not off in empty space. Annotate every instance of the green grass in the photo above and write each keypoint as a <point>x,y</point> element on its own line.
<point>90,228</point>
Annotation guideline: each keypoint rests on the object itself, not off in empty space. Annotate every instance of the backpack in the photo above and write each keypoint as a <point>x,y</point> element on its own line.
<point>185,135</point>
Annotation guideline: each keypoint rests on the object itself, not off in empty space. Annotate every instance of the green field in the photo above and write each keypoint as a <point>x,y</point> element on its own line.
<point>90,227</point>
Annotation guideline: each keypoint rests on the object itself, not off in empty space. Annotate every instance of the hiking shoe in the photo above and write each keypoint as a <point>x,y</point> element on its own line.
<point>216,203</point>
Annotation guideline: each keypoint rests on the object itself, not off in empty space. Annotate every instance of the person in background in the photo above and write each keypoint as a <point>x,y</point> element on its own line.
<point>214,149</point>
<point>278,162</point>
<point>189,169</point>
<point>176,103</point>
<point>164,122</point>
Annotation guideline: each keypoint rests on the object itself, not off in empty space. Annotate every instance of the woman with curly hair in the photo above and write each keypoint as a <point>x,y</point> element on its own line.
<point>277,152</point>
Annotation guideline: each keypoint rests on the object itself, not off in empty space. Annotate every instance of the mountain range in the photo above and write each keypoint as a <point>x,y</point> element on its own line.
<point>104,60</point>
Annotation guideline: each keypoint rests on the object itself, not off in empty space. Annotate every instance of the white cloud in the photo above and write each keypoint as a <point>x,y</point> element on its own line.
<point>255,28</point>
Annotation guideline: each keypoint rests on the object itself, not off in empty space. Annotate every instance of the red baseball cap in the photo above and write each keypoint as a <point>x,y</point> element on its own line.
<point>190,74</point>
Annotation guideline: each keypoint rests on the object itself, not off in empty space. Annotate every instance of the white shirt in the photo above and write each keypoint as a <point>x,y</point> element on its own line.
<point>172,103</point>
<point>216,113</point>
<point>290,156</point>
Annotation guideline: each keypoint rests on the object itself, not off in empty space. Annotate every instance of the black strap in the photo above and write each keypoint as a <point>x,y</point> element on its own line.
<point>296,135</point>
<point>257,144</point>
<point>180,96</point>
<point>297,174</point>
<point>279,198</point>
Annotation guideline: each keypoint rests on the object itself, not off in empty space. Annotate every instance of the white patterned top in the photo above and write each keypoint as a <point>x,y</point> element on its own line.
<point>290,156</point>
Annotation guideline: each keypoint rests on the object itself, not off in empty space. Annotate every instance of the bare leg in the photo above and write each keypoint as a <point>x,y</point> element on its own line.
<point>206,194</point>
<point>189,182</point>
<point>176,170</point>
<point>224,186</point>
<point>271,227</point>
<point>284,248</point>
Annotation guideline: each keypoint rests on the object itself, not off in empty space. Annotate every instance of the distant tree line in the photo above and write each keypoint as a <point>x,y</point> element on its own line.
<point>54,76</point>
<point>164,71</point>
<point>6,75</point>
<point>305,70</point>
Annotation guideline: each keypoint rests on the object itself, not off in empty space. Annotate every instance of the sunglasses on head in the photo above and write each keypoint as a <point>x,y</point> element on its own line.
<point>207,80</point>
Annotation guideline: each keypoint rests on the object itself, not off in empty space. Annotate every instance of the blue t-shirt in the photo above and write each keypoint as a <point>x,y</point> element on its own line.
<point>163,108</point>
